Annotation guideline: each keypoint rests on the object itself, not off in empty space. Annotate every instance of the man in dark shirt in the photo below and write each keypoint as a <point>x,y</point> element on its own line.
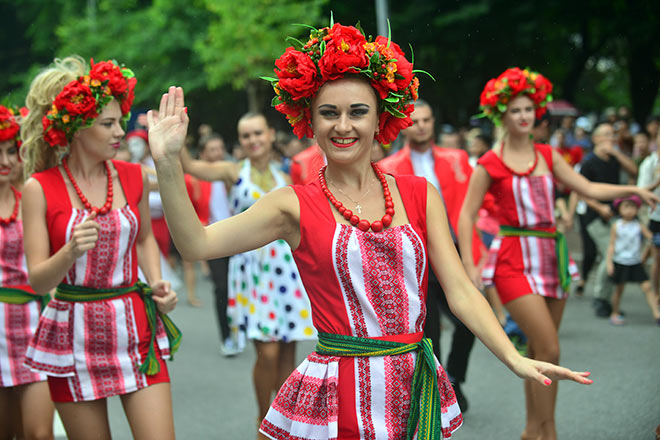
<point>603,165</point>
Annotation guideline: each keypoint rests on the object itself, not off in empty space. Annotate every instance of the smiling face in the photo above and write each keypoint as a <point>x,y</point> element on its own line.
<point>345,119</point>
<point>103,138</point>
<point>8,159</point>
<point>519,116</point>
<point>255,136</point>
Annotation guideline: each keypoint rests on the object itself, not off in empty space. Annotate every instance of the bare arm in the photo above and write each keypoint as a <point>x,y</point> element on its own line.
<point>646,232</point>
<point>626,162</point>
<point>210,171</point>
<point>467,303</point>
<point>610,251</point>
<point>593,190</point>
<point>45,272</point>
<point>479,184</point>
<point>273,217</point>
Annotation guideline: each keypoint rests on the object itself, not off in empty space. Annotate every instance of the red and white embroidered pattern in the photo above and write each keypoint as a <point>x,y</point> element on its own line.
<point>17,325</point>
<point>12,260</point>
<point>344,275</point>
<point>384,279</point>
<point>420,267</point>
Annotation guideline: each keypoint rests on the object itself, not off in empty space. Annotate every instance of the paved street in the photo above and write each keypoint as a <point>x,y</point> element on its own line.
<point>213,396</point>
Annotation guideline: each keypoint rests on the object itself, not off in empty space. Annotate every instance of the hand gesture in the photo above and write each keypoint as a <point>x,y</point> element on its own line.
<point>606,212</point>
<point>648,197</point>
<point>163,295</point>
<point>545,373</point>
<point>168,126</point>
<point>610,268</point>
<point>84,236</point>
<point>475,276</point>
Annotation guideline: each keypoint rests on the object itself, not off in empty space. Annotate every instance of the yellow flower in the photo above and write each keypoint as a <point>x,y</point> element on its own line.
<point>96,83</point>
<point>344,46</point>
<point>66,119</point>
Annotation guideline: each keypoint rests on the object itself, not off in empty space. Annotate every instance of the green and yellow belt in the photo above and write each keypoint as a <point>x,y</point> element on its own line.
<point>67,292</point>
<point>425,406</point>
<point>560,246</point>
<point>11,295</point>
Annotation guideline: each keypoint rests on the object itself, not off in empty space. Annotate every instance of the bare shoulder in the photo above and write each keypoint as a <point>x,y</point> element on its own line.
<point>32,190</point>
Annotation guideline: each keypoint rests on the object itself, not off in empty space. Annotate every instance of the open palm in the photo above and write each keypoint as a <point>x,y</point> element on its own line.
<point>168,126</point>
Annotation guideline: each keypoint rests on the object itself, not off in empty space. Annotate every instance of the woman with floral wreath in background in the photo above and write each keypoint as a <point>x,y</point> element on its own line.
<point>26,410</point>
<point>529,261</point>
<point>372,375</point>
<point>87,229</point>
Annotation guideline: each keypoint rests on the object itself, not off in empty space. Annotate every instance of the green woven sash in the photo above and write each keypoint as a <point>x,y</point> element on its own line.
<point>67,292</point>
<point>10,295</point>
<point>560,246</point>
<point>425,398</point>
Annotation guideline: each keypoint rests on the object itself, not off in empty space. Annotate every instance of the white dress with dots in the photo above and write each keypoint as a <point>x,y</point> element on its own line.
<point>267,300</point>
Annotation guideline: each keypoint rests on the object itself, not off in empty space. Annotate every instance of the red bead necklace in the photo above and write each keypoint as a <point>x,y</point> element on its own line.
<point>14,214</point>
<point>363,225</point>
<point>88,206</point>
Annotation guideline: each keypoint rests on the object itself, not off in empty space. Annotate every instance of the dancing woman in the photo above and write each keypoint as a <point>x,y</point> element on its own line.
<point>372,374</point>
<point>529,260</point>
<point>87,227</point>
<point>267,301</point>
<point>26,410</point>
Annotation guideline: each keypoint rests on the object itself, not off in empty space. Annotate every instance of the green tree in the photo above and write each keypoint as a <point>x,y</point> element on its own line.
<point>245,37</point>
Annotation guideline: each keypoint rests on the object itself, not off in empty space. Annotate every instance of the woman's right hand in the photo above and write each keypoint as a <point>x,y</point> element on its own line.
<point>475,275</point>
<point>168,126</point>
<point>84,236</point>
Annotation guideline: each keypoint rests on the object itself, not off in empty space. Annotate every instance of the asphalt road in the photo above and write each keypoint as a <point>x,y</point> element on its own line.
<point>213,396</point>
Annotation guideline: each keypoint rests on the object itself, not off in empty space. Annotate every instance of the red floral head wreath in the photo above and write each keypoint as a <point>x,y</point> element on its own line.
<point>81,101</point>
<point>329,54</point>
<point>512,82</point>
<point>9,126</point>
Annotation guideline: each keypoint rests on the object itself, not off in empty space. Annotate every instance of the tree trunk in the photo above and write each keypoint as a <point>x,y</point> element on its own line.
<point>254,89</point>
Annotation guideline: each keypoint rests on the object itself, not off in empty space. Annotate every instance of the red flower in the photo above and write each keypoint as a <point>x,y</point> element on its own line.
<point>400,66</point>
<point>543,89</point>
<point>52,135</point>
<point>489,95</point>
<point>8,126</point>
<point>389,125</point>
<point>343,53</point>
<point>109,71</point>
<point>127,101</point>
<point>24,111</point>
<point>77,99</point>
<point>299,117</point>
<point>517,80</point>
<point>297,74</point>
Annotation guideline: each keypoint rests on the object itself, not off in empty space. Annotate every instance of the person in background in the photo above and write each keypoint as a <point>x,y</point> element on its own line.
<point>604,166</point>
<point>448,169</point>
<point>478,147</point>
<point>305,165</point>
<point>624,257</point>
<point>26,409</point>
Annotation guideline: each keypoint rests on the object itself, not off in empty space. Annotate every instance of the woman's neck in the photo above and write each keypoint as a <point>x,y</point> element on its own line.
<point>260,163</point>
<point>84,167</point>
<point>517,142</point>
<point>358,174</point>
<point>5,191</point>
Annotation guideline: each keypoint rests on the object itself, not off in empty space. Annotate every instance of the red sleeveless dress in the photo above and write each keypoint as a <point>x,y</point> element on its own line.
<point>18,322</point>
<point>521,266</point>
<point>369,285</point>
<point>91,350</point>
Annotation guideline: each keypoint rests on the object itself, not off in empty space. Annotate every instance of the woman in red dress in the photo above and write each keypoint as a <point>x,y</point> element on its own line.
<point>365,271</point>
<point>528,262</point>
<point>86,229</point>
<point>26,410</point>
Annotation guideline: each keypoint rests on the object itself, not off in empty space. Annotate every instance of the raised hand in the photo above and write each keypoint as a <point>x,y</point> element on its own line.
<point>648,197</point>
<point>168,126</point>
<point>163,295</point>
<point>84,236</point>
<point>545,372</point>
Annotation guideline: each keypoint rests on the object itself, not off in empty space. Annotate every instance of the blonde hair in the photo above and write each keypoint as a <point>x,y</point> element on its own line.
<point>36,153</point>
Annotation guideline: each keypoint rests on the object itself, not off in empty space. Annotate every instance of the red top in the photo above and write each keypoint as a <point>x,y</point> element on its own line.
<point>305,165</point>
<point>113,262</point>
<point>199,192</point>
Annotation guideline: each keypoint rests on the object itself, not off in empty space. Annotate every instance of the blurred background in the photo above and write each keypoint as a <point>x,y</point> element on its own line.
<point>599,54</point>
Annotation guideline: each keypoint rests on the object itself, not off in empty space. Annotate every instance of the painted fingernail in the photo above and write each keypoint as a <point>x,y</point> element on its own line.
<point>547,382</point>
<point>185,109</point>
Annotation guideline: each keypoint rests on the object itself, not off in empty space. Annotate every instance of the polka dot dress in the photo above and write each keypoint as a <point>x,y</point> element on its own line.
<point>267,300</point>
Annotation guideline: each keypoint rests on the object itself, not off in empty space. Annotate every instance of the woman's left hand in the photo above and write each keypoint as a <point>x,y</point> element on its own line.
<point>163,295</point>
<point>545,372</point>
<point>648,197</point>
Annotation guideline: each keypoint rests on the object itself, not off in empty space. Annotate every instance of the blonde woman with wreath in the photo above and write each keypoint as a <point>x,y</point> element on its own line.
<point>529,261</point>
<point>26,410</point>
<point>365,270</point>
<point>86,229</point>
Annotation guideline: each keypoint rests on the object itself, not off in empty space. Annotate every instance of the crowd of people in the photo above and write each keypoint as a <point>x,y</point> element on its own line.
<point>359,230</point>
